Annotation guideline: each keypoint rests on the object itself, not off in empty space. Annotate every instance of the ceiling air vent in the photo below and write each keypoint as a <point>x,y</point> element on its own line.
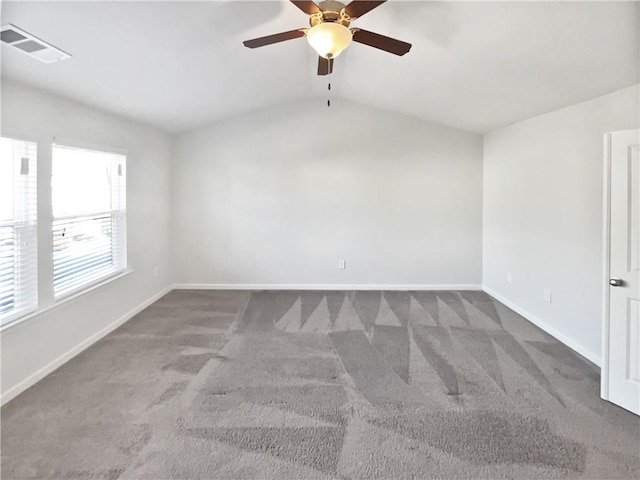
<point>32,46</point>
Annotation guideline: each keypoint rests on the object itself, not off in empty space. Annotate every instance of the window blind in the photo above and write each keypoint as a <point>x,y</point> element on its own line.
<point>18,229</point>
<point>89,227</point>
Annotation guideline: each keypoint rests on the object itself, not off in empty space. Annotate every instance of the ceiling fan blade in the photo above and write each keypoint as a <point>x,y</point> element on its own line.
<point>306,6</point>
<point>278,37</point>
<point>358,8</point>
<point>376,40</point>
<point>325,67</point>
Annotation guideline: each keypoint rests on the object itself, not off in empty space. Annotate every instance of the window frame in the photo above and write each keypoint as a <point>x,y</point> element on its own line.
<point>12,316</point>
<point>118,217</point>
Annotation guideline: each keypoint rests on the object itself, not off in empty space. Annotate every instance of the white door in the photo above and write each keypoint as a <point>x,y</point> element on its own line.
<point>621,352</point>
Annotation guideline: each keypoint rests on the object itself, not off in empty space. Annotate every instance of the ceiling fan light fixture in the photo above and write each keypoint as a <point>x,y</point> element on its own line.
<point>329,39</point>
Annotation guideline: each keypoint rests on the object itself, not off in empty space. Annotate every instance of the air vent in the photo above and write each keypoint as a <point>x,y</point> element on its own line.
<point>32,46</point>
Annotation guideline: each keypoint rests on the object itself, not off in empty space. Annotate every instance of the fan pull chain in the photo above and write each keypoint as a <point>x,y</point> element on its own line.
<point>329,83</point>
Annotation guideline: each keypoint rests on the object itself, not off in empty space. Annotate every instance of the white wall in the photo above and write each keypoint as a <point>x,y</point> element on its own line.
<point>279,196</point>
<point>32,347</point>
<point>543,214</point>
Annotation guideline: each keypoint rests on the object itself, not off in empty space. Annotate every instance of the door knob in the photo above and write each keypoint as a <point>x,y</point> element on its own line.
<point>616,282</point>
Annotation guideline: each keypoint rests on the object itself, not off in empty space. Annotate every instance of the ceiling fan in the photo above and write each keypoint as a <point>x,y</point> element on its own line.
<point>330,34</point>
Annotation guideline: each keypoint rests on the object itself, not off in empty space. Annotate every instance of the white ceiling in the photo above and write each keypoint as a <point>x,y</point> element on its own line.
<point>474,65</point>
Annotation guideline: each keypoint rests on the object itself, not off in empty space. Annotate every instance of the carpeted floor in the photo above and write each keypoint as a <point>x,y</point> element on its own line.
<point>288,385</point>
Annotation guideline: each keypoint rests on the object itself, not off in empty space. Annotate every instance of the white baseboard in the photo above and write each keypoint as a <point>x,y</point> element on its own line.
<point>65,357</point>
<point>589,355</point>
<point>294,286</point>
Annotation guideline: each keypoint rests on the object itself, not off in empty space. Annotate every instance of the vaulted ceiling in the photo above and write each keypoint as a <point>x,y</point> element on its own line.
<point>474,65</point>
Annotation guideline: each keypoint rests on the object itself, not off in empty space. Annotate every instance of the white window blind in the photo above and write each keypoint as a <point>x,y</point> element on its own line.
<point>18,229</point>
<point>89,210</point>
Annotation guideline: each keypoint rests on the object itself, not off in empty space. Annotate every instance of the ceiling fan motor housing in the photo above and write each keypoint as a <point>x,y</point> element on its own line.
<point>330,11</point>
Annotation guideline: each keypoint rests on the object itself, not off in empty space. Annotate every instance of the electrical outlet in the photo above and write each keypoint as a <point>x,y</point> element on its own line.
<point>342,264</point>
<point>547,296</point>
<point>509,277</point>
<point>156,272</point>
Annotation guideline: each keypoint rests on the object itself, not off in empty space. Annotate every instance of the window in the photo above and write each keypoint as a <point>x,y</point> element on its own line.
<point>18,229</point>
<point>89,217</point>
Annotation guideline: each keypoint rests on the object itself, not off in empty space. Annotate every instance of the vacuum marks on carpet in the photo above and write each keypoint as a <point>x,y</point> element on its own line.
<point>207,384</point>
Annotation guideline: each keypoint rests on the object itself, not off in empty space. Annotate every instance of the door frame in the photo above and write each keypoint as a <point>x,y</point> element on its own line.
<point>606,265</point>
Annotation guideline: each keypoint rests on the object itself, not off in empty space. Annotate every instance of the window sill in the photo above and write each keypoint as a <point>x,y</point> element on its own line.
<point>89,285</point>
<point>65,301</point>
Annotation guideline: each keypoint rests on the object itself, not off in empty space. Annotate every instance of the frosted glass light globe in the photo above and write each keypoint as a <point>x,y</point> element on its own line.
<point>329,39</point>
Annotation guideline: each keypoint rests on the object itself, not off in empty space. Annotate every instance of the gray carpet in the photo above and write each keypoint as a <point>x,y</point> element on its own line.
<point>210,384</point>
